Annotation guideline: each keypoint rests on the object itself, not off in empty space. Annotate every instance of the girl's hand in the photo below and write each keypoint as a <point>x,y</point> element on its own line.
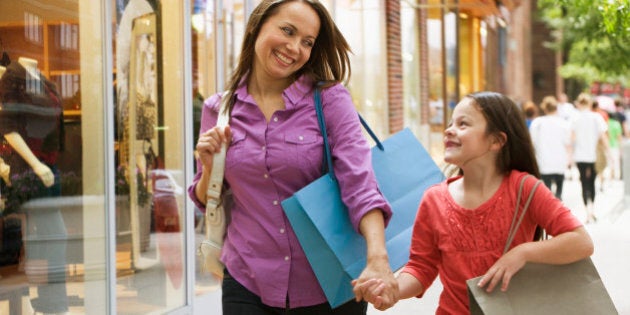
<point>503,270</point>
<point>383,294</point>
<point>371,291</point>
<point>210,143</point>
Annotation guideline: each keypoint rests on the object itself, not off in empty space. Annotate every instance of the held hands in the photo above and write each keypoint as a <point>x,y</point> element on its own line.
<point>503,270</point>
<point>210,143</point>
<point>374,291</point>
<point>377,285</point>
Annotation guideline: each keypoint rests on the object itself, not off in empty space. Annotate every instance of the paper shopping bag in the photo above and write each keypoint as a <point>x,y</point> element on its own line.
<point>336,252</point>
<point>572,289</point>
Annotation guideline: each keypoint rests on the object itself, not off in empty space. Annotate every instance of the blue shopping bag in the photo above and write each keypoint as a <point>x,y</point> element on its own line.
<point>335,251</point>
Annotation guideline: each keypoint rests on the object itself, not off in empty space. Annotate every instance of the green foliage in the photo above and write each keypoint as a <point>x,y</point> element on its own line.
<point>595,34</point>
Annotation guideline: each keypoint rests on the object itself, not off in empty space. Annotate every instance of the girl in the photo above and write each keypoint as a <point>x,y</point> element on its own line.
<point>462,223</point>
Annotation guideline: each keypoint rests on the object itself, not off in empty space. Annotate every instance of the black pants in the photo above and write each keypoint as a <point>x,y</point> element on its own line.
<point>550,179</point>
<point>587,178</point>
<point>237,300</point>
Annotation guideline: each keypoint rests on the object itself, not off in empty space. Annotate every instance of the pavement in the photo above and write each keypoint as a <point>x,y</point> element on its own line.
<point>610,233</point>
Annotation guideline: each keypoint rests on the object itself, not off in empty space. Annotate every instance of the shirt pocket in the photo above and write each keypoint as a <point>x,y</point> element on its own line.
<point>234,155</point>
<point>304,149</point>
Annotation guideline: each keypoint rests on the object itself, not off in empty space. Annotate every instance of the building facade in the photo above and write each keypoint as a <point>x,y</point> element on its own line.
<point>99,110</point>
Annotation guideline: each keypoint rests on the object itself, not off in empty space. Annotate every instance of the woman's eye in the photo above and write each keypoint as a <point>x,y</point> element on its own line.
<point>308,43</point>
<point>287,30</point>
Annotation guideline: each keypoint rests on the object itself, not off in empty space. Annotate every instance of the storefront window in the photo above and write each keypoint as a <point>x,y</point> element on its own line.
<point>363,25</point>
<point>150,182</point>
<point>411,68</point>
<point>52,187</point>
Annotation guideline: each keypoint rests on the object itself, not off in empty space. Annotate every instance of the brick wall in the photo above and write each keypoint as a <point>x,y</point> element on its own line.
<point>394,66</point>
<point>544,60</point>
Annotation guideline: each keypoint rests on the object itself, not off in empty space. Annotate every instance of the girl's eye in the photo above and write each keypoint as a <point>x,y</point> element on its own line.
<point>308,43</point>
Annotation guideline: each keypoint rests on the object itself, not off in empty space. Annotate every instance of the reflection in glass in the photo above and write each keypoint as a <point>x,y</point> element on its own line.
<point>31,123</point>
<point>149,179</point>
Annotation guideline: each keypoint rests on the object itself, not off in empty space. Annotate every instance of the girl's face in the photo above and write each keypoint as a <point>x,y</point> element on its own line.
<point>465,139</point>
<point>286,40</point>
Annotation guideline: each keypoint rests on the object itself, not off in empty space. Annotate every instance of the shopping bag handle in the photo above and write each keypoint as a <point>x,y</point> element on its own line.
<point>328,166</point>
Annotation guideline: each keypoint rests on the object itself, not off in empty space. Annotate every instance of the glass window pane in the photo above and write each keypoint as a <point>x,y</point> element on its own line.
<point>150,189</point>
<point>368,59</point>
<point>53,209</point>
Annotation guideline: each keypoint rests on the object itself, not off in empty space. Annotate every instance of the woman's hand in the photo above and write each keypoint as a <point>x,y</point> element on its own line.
<point>210,143</point>
<point>377,284</point>
<point>504,269</point>
<point>373,289</point>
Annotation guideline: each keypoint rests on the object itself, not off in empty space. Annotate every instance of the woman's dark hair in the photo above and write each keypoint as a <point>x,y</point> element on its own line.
<point>503,116</point>
<point>329,60</point>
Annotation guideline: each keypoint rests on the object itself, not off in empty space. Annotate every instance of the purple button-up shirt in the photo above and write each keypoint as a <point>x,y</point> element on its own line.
<point>266,163</point>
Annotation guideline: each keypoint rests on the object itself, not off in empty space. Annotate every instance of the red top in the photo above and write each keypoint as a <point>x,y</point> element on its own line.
<point>459,244</point>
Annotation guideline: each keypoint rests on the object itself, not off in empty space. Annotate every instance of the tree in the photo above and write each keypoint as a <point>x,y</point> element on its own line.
<point>596,36</point>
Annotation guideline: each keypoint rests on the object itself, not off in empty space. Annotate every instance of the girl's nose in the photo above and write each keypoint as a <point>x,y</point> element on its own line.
<point>448,130</point>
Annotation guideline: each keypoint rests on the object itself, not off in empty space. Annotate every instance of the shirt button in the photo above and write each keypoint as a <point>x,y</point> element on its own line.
<point>275,202</point>
<point>286,257</point>
<point>281,231</point>
<point>266,175</point>
<point>301,138</point>
<point>275,119</point>
<point>263,148</point>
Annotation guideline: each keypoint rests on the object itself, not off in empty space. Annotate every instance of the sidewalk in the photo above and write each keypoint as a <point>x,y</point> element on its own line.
<point>612,248</point>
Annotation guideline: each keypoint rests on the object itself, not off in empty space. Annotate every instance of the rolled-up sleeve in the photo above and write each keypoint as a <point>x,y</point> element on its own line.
<point>352,157</point>
<point>209,117</point>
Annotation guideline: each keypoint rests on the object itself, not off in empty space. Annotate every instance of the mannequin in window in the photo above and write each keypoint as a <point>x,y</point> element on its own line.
<point>5,169</point>
<point>31,123</point>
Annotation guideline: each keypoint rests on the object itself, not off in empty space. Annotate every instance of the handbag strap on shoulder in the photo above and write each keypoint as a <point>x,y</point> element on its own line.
<point>218,162</point>
<point>517,222</point>
<point>328,165</point>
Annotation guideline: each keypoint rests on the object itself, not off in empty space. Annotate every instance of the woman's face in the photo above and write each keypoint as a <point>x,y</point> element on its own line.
<point>286,40</point>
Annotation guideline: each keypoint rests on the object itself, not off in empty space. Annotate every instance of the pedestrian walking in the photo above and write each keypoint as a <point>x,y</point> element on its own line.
<point>531,112</point>
<point>615,137</point>
<point>588,129</point>
<point>551,136</point>
<point>463,222</point>
<point>276,148</point>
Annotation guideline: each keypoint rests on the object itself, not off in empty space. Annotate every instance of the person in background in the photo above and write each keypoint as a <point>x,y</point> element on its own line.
<point>620,112</point>
<point>275,149</point>
<point>551,137</point>
<point>602,157</point>
<point>587,130</point>
<point>565,108</point>
<point>531,111</point>
<point>463,222</point>
<point>615,137</point>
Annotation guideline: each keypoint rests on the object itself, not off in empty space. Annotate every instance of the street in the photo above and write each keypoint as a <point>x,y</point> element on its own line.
<point>612,248</point>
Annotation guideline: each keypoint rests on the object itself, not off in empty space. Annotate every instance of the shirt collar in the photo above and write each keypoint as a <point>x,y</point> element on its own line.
<point>293,94</point>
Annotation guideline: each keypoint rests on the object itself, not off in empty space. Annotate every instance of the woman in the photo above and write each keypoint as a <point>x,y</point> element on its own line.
<point>275,149</point>
<point>588,130</point>
<point>551,136</point>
